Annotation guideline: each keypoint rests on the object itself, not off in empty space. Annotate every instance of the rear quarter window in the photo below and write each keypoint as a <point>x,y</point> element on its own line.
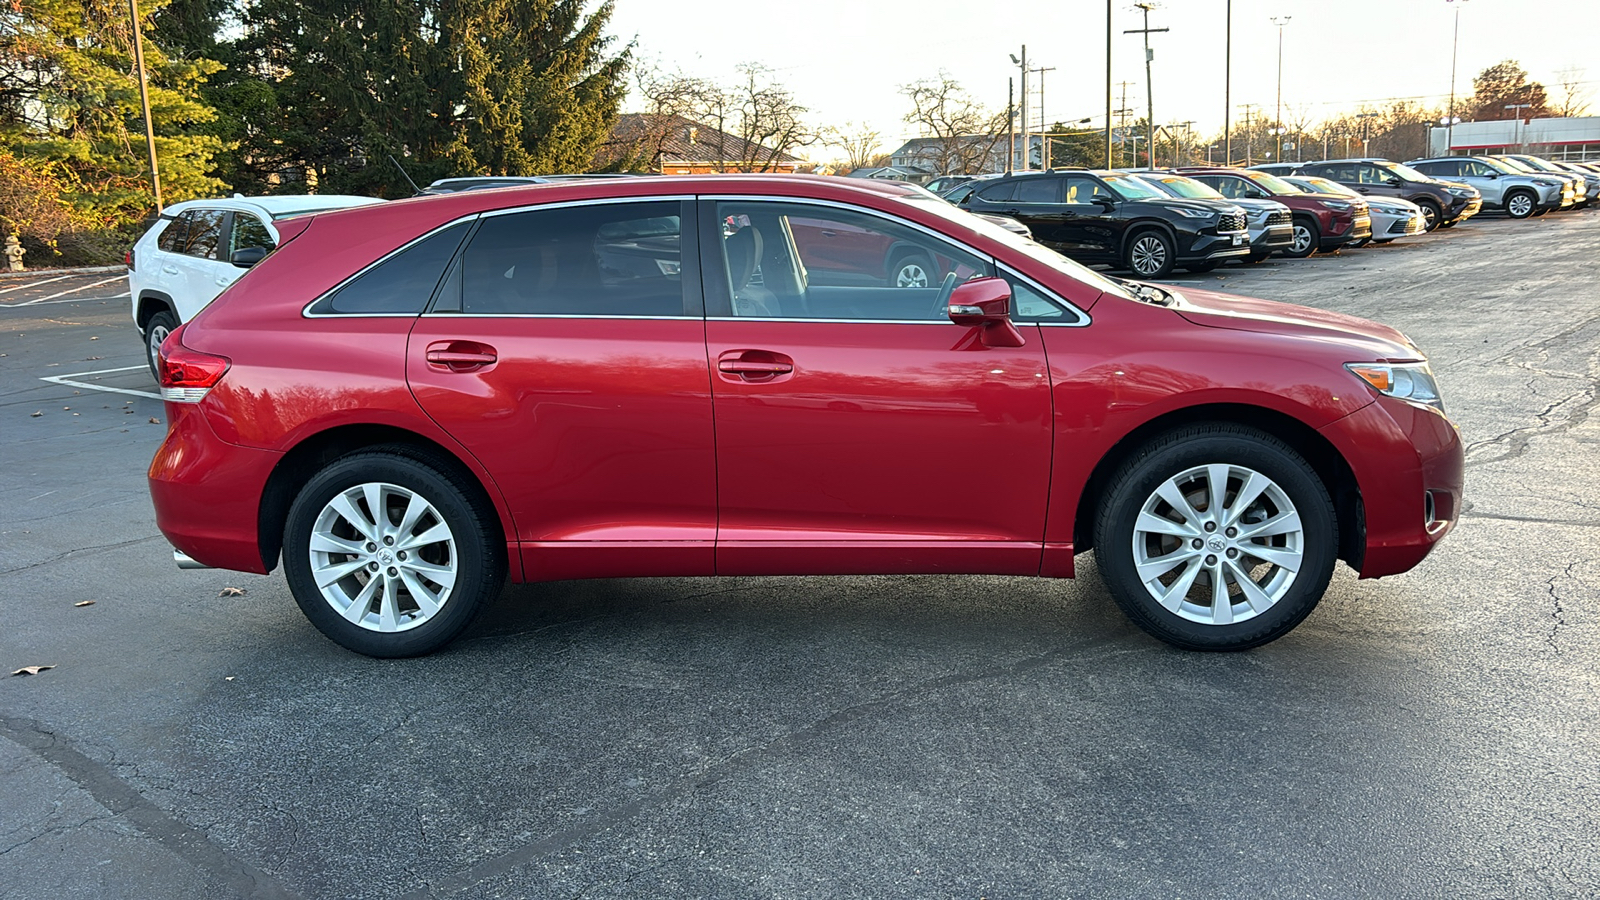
<point>400,284</point>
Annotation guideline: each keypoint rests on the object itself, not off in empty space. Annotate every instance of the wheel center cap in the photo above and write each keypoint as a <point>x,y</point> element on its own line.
<point>1215,544</point>
<point>385,557</point>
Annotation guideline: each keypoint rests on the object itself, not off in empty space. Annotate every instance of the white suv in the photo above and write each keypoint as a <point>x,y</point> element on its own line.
<point>188,256</point>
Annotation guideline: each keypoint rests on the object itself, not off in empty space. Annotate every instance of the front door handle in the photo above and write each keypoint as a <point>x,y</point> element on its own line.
<point>460,356</point>
<point>170,270</point>
<point>754,365</point>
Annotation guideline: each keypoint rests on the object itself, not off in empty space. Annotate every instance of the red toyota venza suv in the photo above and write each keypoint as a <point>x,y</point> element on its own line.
<point>730,375</point>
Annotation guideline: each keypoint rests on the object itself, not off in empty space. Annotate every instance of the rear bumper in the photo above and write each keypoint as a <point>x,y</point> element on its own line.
<point>1408,461</point>
<point>207,492</point>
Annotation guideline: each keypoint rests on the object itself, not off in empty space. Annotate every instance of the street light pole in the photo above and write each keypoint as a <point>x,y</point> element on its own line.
<point>1455,40</point>
<point>1227,90</point>
<point>1277,118</point>
<point>1108,83</point>
<point>144,102</point>
<point>1023,109</point>
<point>1514,107</point>
<point>1149,85</point>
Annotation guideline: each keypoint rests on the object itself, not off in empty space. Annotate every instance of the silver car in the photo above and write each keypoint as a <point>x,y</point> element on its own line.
<point>1590,176</point>
<point>1520,194</point>
<point>1532,165</point>
<point>1392,217</point>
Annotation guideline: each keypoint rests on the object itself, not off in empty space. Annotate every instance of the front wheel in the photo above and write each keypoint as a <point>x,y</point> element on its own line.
<point>1520,204</point>
<point>1216,537</point>
<point>391,556</point>
<point>1431,214</point>
<point>1306,238</point>
<point>1149,254</point>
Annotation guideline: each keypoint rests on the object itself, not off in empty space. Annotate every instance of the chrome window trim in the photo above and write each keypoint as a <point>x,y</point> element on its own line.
<point>305,311</point>
<point>851,207</point>
<point>1083,317</point>
<point>457,315</point>
<point>945,321</point>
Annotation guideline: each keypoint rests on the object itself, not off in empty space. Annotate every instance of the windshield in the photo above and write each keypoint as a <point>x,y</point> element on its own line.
<point>1316,185</point>
<point>1134,189</point>
<point>1498,165</point>
<point>1272,182</point>
<point>1406,172</point>
<point>1516,165</point>
<point>1022,245</point>
<point>1179,186</point>
<point>1539,165</point>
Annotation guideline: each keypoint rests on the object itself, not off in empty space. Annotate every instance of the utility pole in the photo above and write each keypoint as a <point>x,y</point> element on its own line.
<point>1124,113</point>
<point>1011,123</point>
<point>1249,135</point>
<point>144,102</point>
<point>1516,109</point>
<point>1177,145</point>
<point>1277,118</point>
<point>1108,83</point>
<point>1366,129</point>
<point>1227,91</point>
<point>1450,129</point>
<point>1149,84</point>
<point>1023,63</point>
<point>1044,153</point>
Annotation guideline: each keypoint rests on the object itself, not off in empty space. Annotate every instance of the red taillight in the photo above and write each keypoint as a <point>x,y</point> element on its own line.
<point>128,259</point>
<point>186,375</point>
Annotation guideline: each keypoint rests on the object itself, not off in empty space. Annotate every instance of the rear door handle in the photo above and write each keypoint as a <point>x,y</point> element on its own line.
<point>170,270</point>
<point>460,356</point>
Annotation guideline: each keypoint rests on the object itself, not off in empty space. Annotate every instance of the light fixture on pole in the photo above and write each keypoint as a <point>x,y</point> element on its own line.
<point>1450,130</point>
<point>1366,129</point>
<point>1023,108</point>
<point>1278,143</point>
<point>1277,117</point>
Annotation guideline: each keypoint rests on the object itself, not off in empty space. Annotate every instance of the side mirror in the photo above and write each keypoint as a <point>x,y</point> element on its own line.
<point>1105,203</point>
<point>1493,175</point>
<point>986,303</point>
<point>245,257</point>
<point>1392,181</point>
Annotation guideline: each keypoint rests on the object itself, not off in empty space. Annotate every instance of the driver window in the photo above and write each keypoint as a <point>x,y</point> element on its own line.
<point>1086,190</point>
<point>1232,188</point>
<point>1373,175</point>
<point>796,261</point>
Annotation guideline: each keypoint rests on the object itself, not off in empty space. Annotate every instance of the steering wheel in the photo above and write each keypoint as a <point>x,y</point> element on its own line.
<point>941,306</point>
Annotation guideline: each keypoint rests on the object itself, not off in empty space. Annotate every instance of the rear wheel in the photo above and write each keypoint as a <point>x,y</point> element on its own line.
<point>1520,204</point>
<point>155,331</point>
<point>911,270</point>
<point>391,556</point>
<point>1357,245</point>
<point>1149,254</point>
<point>1306,238</point>
<point>1216,537</point>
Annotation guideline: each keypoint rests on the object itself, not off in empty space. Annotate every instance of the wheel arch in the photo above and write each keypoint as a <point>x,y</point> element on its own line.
<point>1323,457</point>
<point>150,303</point>
<point>1139,226</point>
<point>311,455</point>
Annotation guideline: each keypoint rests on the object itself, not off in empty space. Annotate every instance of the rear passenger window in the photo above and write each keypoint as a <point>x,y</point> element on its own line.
<point>402,283</point>
<point>205,233</point>
<point>613,259</point>
<point>173,236</point>
<point>998,193</point>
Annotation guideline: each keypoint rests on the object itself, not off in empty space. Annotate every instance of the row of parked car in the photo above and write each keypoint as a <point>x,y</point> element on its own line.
<point>1196,218</point>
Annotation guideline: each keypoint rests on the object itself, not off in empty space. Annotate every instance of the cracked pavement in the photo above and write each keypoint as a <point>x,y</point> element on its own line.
<point>1432,734</point>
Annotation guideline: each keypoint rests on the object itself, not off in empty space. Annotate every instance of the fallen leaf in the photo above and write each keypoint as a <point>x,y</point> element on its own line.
<point>66,407</point>
<point>228,678</point>
<point>36,414</point>
<point>92,358</point>
<point>84,603</point>
<point>94,339</point>
<point>31,670</point>
<point>154,421</point>
<point>232,592</point>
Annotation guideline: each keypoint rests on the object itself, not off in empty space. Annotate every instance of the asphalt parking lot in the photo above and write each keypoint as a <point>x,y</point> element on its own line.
<point>1429,735</point>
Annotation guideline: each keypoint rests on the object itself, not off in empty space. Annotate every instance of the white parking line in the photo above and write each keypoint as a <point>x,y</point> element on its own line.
<point>33,284</point>
<point>71,291</point>
<point>121,296</point>
<point>67,380</point>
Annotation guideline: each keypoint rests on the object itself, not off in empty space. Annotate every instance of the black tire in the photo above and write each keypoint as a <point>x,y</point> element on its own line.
<point>1521,204</point>
<point>912,269</point>
<point>477,553</point>
<point>1148,254</point>
<point>1307,238</point>
<point>1203,267</point>
<point>155,331</point>
<point>1431,213</point>
<point>1357,245</point>
<point>1383,240</point>
<point>1176,455</point>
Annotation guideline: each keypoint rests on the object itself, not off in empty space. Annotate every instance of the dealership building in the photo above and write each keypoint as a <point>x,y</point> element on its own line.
<point>1577,140</point>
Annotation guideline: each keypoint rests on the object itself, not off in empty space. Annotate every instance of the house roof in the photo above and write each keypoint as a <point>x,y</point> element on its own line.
<point>683,140</point>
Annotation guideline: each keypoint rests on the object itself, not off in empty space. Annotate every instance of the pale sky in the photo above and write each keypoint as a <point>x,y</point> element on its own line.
<point>845,61</point>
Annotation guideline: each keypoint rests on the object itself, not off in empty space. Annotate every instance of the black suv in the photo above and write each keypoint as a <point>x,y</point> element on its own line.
<point>1112,218</point>
<point>1443,204</point>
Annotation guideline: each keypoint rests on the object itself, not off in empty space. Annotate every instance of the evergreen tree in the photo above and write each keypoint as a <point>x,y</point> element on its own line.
<point>448,87</point>
<point>69,96</point>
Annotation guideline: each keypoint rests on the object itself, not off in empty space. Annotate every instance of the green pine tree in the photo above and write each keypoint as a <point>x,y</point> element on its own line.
<point>69,96</point>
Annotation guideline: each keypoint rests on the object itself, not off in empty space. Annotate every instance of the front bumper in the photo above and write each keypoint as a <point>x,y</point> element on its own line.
<point>1271,238</point>
<point>1409,464</point>
<point>1464,209</point>
<point>1386,226</point>
<point>1209,246</point>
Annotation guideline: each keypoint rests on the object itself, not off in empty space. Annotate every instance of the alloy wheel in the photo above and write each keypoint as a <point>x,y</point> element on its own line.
<point>1218,544</point>
<point>911,274</point>
<point>1520,206</point>
<point>383,557</point>
<point>1302,239</point>
<point>1149,255</point>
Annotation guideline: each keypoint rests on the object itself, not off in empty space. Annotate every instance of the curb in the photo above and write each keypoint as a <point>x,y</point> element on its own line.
<point>86,270</point>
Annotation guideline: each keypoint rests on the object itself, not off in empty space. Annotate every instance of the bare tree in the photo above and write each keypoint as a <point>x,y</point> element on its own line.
<point>769,120</point>
<point>1573,95</point>
<point>964,133</point>
<point>861,143</point>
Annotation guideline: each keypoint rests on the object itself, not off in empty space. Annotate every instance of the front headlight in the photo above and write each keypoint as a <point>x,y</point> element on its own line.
<point>1545,182</point>
<point>1335,204</point>
<point>1463,192</point>
<point>1412,382</point>
<point>1192,213</point>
